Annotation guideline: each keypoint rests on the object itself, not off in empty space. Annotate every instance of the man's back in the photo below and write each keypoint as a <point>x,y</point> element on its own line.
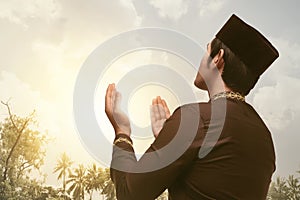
<point>240,164</point>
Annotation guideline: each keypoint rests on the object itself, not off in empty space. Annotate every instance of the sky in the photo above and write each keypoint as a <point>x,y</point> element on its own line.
<point>44,44</point>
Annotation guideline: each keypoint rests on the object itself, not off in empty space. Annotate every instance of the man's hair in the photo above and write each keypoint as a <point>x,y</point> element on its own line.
<point>236,74</point>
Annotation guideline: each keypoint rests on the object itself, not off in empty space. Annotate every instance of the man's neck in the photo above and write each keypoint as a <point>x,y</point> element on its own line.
<point>218,88</point>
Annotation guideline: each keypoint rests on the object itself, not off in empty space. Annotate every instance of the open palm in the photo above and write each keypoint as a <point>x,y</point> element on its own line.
<point>159,112</point>
<point>116,116</point>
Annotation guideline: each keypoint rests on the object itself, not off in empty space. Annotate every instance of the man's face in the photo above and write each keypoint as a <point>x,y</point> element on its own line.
<point>202,76</point>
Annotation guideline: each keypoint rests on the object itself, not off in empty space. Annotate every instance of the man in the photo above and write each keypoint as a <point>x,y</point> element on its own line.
<point>229,155</point>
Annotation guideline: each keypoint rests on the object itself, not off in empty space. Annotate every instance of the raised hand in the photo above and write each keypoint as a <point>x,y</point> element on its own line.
<point>116,116</point>
<point>159,112</point>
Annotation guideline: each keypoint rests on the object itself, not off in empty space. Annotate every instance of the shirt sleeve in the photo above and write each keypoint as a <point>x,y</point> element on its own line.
<point>170,155</point>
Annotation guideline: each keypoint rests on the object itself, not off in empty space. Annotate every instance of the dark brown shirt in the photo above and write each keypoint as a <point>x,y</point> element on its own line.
<point>236,160</point>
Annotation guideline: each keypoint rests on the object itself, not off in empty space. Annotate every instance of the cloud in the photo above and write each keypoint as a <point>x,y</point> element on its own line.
<point>98,17</point>
<point>277,101</point>
<point>172,9</point>
<point>23,100</point>
<point>289,58</point>
<point>207,7</point>
<point>20,11</point>
<point>43,45</point>
<point>278,104</point>
<point>47,36</point>
<point>276,97</point>
<point>18,93</point>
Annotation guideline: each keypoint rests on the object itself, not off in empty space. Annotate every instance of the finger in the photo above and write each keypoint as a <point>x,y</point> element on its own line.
<point>152,112</point>
<point>113,96</point>
<point>108,91</point>
<point>161,109</point>
<point>153,102</point>
<point>158,100</point>
<point>108,98</point>
<point>155,110</point>
<point>117,100</point>
<point>152,115</point>
<point>166,108</point>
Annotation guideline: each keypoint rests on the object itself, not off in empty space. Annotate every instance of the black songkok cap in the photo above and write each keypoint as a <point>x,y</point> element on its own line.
<point>254,50</point>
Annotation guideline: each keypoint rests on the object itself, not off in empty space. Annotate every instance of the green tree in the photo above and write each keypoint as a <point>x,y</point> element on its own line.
<point>94,180</point>
<point>108,188</point>
<point>63,168</point>
<point>36,191</point>
<point>21,150</point>
<point>293,188</point>
<point>285,189</point>
<point>278,190</point>
<point>77,181</point>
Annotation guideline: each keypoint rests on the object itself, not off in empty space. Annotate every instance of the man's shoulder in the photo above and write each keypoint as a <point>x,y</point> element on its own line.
<point>202,109</point>
<point>196,105</point>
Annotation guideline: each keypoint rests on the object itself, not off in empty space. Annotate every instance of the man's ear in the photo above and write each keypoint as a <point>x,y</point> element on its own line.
<point>218,59</point>
<point>219,56</point>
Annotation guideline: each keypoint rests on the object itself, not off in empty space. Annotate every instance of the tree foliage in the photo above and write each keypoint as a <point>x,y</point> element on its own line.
<point>83,180</point>
<point>285,189</point>
<point>94,179</point>
<point>63,168</point>
<point>78,183</point>
<point>108,188</point>
<point>21,148</point>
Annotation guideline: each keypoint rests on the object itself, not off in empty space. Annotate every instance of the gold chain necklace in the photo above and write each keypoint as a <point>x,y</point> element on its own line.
<point>230,95</point>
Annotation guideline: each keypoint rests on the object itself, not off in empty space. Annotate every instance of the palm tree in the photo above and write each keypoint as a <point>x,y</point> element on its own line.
<point>63,167</point>
<point>94,180</point>
<point>293,188</point>
<point>108,188</point>
<point>278,190</point>
<point>78,182</point>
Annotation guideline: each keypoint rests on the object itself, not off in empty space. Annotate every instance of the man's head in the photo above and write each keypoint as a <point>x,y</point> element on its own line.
<point>239,53</point>
<point>236,75</point>
<point>210,69</point>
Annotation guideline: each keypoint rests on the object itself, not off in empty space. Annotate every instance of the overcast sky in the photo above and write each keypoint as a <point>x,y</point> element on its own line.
<point>43,45</point>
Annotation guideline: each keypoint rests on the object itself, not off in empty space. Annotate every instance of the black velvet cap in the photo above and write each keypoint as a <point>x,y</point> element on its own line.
<point>255,51</point>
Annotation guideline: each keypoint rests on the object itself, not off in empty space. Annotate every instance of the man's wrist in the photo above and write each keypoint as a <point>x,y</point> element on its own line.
<point>118,132</point>
<point>123,135</point>
<point>122,138</point>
